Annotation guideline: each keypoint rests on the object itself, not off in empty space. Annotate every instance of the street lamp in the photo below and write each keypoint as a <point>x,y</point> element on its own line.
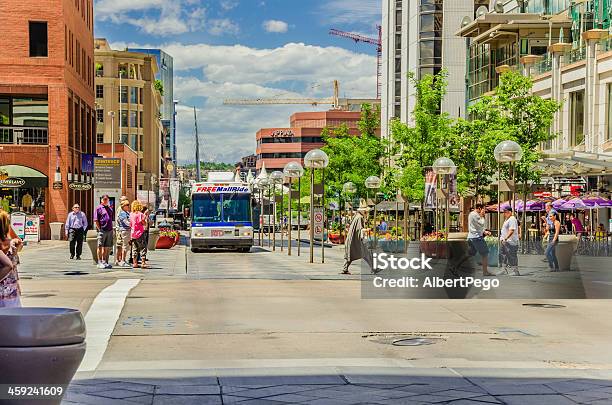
<point>293,170</point>
<point>445,167</point>
<point>276,178</point>
<point>373,183</point>
<point>316,159</point>
<point>264,184</point>
<point>506,152</point>
<point>111,114</point>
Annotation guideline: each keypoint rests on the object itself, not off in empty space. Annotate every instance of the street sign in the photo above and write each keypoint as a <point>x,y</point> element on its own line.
<point>540,194</point>
<point>318,223</point>
<point>107,173</point>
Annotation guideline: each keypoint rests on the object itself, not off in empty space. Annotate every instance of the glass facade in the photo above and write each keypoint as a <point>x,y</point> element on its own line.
<point>577,118</point>
<point>430,36</point>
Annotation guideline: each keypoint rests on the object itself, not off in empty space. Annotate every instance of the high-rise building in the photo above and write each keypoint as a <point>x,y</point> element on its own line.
<point>419,36</point>
<point>165,75</point>
<point>129,77</point>
<point>566,47</point>
<point>47,114</point>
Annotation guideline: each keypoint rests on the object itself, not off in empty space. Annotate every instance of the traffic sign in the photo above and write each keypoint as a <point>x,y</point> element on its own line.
<point>318,223</point>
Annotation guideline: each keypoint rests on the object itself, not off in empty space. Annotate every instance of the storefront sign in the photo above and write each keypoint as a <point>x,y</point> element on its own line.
<point>58,185</point>
<point>540,194</point>
<point>282,133</point>
<point>80,186</point>
<point>18,223</point>
<point>107,173</point>
<point>12,182</point>
<point>32,228</point>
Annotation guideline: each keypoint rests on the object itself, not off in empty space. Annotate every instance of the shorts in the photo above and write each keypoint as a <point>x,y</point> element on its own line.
<point>123,238</point>
<point>105,239</point>
<point>478,245</point>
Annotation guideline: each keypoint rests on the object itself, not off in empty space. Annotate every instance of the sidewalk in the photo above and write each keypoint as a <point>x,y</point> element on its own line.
<point>349,385</point>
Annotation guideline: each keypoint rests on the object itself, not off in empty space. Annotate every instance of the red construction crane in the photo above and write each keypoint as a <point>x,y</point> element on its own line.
<point>371,41</point>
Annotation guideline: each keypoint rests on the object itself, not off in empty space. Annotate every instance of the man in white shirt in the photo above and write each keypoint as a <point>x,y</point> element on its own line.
<point>509,238</point>
<point>476,234</point>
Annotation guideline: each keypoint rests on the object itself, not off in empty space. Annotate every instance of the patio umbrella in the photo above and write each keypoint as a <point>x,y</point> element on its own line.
<point>558,203</point>
<point>597,202</point>
<point>532,206</point>
<point>574,204</point>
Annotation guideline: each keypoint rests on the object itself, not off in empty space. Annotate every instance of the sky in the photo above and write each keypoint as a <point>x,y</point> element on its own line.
<point>246,49</point>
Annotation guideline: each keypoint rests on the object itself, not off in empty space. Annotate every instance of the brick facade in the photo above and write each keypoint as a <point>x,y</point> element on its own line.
<point>65,76</point>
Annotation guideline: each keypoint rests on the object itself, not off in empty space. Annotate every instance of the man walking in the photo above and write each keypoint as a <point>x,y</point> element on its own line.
<point>509,246</point>
<point>76,226</point>
<point>103,218</point>
<point>354,248</point>
<point>477,232</point>
<point>123,235</point>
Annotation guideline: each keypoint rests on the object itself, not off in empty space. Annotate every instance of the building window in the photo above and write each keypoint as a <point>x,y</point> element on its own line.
<point>124,94</point>
<point>124,139</point>
<point>100,115</point>
<point>99,138</point>
<point>577,118</point>
<point>129,175</point>
<point>124,118</point>
<point>134,142</point>
<point>141,144</point>
<point>99,91</point>
<point>133,119</point>
<point>134,95</point>
<point>38,39</point>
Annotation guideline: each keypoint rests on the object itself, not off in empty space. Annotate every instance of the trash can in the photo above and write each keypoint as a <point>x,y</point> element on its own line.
<point>92,242</point>
<point>40,346</point>
<point>565,250</point>
<point>153,238</point>
<point>56,230</point>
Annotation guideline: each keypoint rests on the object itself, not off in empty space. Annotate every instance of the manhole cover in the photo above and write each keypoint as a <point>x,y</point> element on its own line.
<point>38,295</point>
<point>415,341</point>
<point>544,305</point>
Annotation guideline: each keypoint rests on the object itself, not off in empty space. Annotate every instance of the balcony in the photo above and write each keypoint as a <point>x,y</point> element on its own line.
<point>575,55</point>
<point>24,136</point>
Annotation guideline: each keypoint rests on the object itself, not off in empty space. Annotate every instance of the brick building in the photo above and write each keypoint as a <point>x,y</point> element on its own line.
<point>46,104</point>
<point>279,146</point>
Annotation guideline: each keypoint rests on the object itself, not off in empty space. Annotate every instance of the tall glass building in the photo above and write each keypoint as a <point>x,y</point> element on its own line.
<point>166,75</point>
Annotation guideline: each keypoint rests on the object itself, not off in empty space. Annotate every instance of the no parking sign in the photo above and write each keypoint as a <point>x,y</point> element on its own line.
<point>318,223</point>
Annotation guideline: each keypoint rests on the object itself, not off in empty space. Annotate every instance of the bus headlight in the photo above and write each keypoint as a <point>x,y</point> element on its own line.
<point>199,234</point>
<point>246,233</point>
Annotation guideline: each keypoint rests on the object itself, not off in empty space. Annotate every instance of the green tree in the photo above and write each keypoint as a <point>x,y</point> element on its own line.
<point>159,86</point>
<point>354,157</point>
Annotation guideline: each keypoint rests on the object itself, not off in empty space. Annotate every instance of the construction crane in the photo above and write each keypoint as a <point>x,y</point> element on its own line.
<point>334,100</point>
<point>372,41</point>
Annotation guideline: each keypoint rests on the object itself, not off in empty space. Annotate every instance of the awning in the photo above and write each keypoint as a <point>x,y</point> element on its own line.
<point>578,163</point>
<point>33,178</point>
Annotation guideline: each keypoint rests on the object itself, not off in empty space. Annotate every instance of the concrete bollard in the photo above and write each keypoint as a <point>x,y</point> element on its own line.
<point>565,250</point>
<point>92,242</point>
<point>40,346</point>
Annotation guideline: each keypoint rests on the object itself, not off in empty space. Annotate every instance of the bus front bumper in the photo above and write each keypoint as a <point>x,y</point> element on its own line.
<point>201,243</point>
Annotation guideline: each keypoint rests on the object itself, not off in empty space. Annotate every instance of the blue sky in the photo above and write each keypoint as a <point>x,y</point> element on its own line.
<point>246,49</point>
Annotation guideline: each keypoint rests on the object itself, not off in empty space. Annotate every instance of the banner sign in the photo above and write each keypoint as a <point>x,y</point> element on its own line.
<point>175,187</point>
<point>431,182</point>
<point>32,228</point>
<point>18,223</point>
<point>107,173</point>
<point>87,163</point>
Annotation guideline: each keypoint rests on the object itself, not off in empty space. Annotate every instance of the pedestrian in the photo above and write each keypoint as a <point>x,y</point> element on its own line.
<point>10,245</point>
<point>577,227</point>
<point>138,222</point>
<point>145,212</point>
<point>476,235</point>
<point>123,234</point>
<point>103,218</point>
<point>552,234</point>
<point>354,248</point>
<point>76,227</point>
<point>509,243</point>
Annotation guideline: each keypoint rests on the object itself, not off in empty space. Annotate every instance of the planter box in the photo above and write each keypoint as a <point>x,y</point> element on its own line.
<point>435,249</point>
<point>336,238</point>
<point>165,242</point>
<point>392,246</point>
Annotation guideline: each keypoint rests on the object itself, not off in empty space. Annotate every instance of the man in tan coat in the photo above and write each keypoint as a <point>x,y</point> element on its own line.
<point>354,247</point>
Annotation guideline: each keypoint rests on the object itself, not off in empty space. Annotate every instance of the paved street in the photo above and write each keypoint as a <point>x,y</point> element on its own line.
<point>267,328</point>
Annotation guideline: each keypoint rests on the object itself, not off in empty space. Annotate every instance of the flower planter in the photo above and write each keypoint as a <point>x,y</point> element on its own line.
<point>392,246</point>
<point>337,238</point>
<point>435,249</point>
<point>165,242</point>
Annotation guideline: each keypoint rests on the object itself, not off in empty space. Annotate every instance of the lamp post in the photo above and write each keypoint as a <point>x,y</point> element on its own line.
<point>111,114</point>
<point>292,170</point>
<point>276,178</point>
<point>316,159</point>
<point>373,183</point>
<point>264,184</point>
<point>506,152</point>
<point>445,167</point>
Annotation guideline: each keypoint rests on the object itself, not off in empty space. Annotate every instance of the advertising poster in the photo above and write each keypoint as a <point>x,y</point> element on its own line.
<point>175,187</point>
<point>431,181</point>
<point>18,223</point>
<point>32,228</point>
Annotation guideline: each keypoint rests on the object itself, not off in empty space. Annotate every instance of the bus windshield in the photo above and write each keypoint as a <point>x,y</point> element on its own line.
<point>229,207</point>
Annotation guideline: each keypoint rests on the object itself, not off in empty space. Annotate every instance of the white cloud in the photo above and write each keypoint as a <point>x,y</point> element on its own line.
<point>352,11</point>
<point>222,26</point>
<point>275,26</point>
<point>294,70</point>
<point>228,4</point>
